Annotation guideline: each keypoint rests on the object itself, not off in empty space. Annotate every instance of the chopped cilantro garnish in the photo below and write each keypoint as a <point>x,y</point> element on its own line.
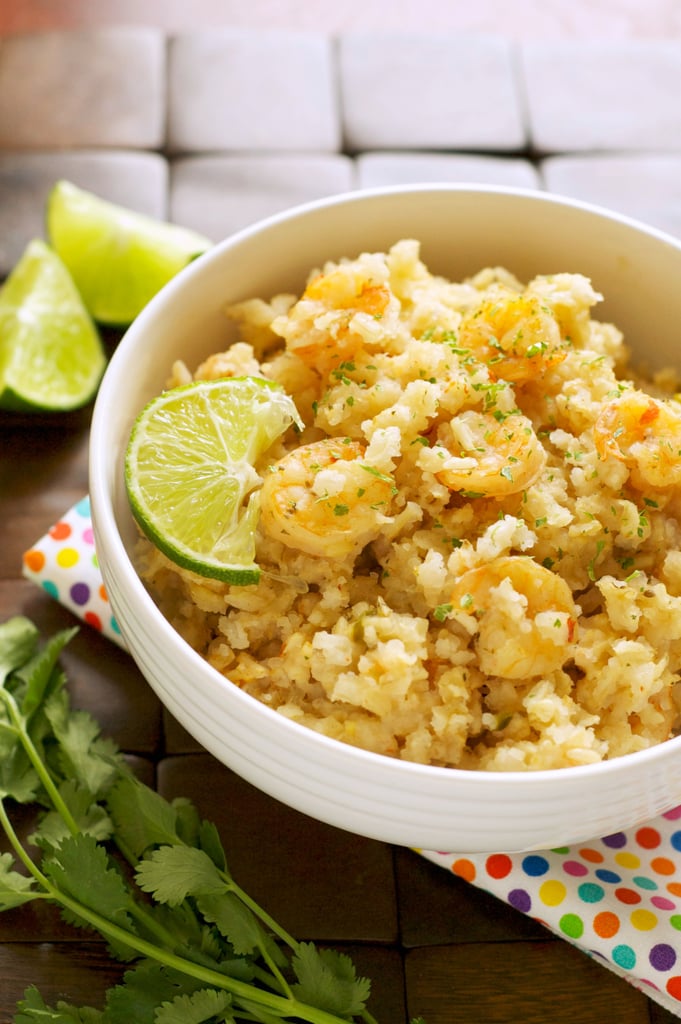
<point>377,473</point>
<point>536,349</point>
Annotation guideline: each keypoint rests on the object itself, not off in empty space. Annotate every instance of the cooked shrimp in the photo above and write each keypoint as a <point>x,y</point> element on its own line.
<point>324,499</point>
<point>645,434</point>
<point>491,458</point>
<point>517,337</point>
<point>330,323</point>
<point>339,289</point>
<point>526,616</point>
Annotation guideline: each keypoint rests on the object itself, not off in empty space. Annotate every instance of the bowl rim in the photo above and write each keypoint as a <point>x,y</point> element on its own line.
<point>143,606</point>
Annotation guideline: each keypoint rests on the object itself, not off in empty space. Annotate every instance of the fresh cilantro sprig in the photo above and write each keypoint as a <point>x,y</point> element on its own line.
<point>146,873</point>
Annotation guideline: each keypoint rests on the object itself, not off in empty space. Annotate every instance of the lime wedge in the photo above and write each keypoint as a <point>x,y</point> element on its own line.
<point>51,356</point>
<point>189,471</point>
<point>119,259</point>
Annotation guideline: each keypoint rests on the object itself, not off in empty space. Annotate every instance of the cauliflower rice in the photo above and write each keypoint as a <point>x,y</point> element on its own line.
<point>471,555</point>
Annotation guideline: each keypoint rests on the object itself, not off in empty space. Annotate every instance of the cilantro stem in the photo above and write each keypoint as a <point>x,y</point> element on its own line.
<point>38,763</point>
<point>257,1015</point>
<point>276,973</point>
<point>282,1007</point>
<point>140,913</point>
<point>231,886</point>
<point>20,851</point>
<point>70,875</point>
<point>268,921</point>
<point>152,926</point>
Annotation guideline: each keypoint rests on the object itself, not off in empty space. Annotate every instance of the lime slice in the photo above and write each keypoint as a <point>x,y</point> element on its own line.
<point>189,471</point>
<point>51,356</point>
<point>119,259</point>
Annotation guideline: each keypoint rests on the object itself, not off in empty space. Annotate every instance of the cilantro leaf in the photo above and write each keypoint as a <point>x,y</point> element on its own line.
<point>18,640</point>
<point>39,673</point>
<point>18,778</point>
<point>203,1005</point>
<point>18,643</point>
<point>327,979</point>
<point>209,841</point>
<point>83,754</point>
<point>143,990</point>
<point>142,817</point>
<point>15,889</point>
<point>90,817</point>
<point>82,869</point>
<point>234,920</point>
<point>201,936</point>
<point>32,1009</point>
<point>188,821</point>
<point>172,873</point>
<point>207,947</point>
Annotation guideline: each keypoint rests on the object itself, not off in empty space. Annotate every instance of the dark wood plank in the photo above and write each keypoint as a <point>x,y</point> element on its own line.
<point>505,983</point>
<point>384,966</point>
<point>79,973</point>
<point>437,907</point>
<point>176,738</point>
<point>660,1015</point>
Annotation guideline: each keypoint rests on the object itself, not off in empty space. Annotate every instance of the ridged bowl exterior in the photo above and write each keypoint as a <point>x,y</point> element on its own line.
<point>462,229</point>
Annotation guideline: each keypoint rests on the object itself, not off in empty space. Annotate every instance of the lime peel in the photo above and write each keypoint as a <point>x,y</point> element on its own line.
<point>190,476</point>
<point>118,258</point>
<point>51,356</point>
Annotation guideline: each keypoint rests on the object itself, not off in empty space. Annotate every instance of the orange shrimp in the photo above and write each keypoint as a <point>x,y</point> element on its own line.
<point>493,458</point>
<point>645,434</point>
<point>526,616</point>
<point>324,499</point>
<point>518,337</point>
<point>328,325</point>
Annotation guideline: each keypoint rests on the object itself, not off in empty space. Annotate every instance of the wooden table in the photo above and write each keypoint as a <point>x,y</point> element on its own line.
<point>433,944</point>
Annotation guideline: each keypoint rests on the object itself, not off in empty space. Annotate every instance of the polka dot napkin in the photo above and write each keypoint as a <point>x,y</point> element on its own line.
<point>64,563</point>
<point>618,898</point>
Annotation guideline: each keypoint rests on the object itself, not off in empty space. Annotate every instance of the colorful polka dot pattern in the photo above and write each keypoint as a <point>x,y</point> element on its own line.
<point>64,563</point>
<point>618,898</point>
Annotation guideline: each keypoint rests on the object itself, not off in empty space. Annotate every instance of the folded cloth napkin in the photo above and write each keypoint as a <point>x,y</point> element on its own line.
<point>617,898</point>
<point>64,563</point>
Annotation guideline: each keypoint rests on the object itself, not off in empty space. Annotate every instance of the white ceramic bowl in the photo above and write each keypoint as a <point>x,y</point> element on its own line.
<point>462,229</point>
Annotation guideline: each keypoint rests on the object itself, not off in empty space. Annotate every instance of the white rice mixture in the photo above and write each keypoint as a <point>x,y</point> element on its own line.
<point>472,554</point>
